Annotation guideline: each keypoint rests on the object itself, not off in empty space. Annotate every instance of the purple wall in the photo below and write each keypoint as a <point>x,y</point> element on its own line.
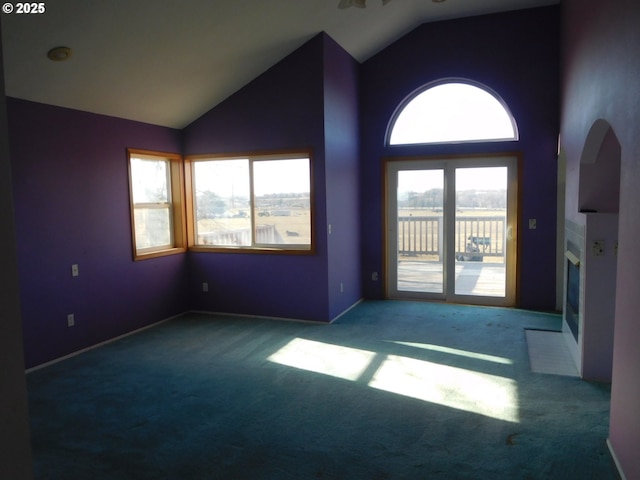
<point>342,167</point>
<point>308,100</point>
<point>601,44</point>
<point>72,206</point>
<point>281,109</point>
<point>71,192</point>
<point>516,55</point>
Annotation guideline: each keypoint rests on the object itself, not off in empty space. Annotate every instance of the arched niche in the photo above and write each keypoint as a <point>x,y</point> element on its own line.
<point>599,189</point>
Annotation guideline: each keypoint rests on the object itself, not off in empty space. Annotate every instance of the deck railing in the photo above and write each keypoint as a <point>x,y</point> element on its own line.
<point>476,236</point>
<point>420,235</point>
<point>265,234</point>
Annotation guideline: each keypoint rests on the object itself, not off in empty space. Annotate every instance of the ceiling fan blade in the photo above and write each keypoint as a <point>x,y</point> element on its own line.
<point>356,3</point>
<point>352,3</point>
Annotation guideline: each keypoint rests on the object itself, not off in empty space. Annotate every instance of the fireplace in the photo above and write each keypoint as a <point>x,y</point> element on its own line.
<point>573,301</point>
<point>590,292</point>
<point>572,306</point>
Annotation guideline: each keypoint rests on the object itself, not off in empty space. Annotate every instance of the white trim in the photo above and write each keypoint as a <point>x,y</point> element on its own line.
<point>615,460</point>
<point>259,317</point>
<point>347,310</point>
<point>280,319</point>
<point>101,344</point>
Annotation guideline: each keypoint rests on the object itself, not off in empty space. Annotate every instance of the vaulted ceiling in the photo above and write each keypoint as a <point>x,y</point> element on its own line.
<point>167,62</point>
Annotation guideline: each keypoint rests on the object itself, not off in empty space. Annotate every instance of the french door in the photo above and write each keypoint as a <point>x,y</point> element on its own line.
<point>451,229</point>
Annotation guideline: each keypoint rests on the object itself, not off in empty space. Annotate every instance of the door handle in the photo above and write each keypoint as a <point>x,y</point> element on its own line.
<point>509,232</point>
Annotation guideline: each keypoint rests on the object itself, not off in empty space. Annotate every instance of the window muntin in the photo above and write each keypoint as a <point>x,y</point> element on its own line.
<point>453,112</point>
<point>156,190</point>
<point>258,202</point>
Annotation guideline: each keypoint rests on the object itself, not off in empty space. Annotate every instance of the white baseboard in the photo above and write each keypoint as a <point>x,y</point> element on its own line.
<point>133,332</point>
<point>97,345</point>
<point>259,317</point>
<point>271,317</point>
<point>615,460</point>
<point>347,310</point>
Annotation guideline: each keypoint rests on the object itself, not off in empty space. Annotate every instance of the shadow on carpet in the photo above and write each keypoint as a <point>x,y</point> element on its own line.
<point>392,390</point>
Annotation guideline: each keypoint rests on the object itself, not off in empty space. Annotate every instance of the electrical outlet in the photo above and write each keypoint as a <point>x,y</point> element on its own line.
<point>341,287</point>
<point>205,287</point>
<point>533,224</point>
<point>374,276</point>
<point>71,320</point>
<point>597,247</point>
<point>74,270</point>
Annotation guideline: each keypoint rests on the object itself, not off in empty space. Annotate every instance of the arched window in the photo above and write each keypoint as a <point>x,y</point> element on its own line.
<point>454,111</point>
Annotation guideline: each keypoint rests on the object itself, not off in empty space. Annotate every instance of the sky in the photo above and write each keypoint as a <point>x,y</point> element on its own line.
<point>452,112</point>
<point>477,178</point>
<point>231,177</point>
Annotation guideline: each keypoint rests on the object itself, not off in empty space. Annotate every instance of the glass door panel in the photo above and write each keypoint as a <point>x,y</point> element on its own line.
<point>480,231</point>
<point>420,227</point>
<point>451,229</point>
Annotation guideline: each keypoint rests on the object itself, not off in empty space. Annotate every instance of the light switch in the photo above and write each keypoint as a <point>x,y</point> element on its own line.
<point>532,224</point>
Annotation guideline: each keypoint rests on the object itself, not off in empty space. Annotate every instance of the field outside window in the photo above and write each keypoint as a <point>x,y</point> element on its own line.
<point>260,202</point>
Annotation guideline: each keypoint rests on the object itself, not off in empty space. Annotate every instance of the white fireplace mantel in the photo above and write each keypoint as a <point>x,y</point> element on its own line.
<point>593,241</point>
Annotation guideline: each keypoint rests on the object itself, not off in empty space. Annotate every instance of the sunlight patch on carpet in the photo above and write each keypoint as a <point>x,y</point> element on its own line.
<point>452,387</point>
<point>548,353</point>
<point>334,360</point>
<point>455,351</point>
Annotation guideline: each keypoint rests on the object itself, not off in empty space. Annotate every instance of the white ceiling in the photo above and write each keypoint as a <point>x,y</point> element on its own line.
<point>167,62</point>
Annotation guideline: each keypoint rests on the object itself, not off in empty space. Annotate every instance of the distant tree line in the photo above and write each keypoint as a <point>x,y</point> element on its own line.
<point>211,205</point>
<point>433,199</point>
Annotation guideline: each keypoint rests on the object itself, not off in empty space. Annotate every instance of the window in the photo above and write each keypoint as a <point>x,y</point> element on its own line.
<point>452,112</point>
<point>157,203</point>
<point>255,202</point>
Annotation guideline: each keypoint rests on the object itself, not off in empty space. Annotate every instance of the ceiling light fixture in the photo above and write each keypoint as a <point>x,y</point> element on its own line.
<point>59,54</point>
<point>356,3</point>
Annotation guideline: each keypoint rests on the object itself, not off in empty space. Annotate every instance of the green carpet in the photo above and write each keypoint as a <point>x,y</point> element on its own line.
<point>392,390</point>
